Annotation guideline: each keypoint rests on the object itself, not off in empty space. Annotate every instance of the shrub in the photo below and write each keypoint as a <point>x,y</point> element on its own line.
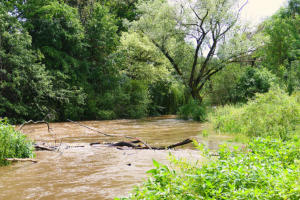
<point>254,80</point>
<point>273,114</point>
<point>222,87</point>
<point>267,169</point>
<point>192,110</point>
<point>13,144</point>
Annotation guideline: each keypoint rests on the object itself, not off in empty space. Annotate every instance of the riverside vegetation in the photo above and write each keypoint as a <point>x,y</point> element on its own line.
<point>268,167</point>
<point>13,144</point>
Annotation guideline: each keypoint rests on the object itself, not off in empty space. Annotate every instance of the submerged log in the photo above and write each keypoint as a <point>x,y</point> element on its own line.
<point>133,146</point>
<point>38,147</point>
<point>21,160</point>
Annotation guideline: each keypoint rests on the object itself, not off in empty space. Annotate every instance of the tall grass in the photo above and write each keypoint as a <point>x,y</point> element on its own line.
<point>13,144</point>
<point>274,114</point>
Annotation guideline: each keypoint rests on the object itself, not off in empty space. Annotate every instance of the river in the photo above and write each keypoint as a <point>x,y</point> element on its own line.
<point>80,171</point>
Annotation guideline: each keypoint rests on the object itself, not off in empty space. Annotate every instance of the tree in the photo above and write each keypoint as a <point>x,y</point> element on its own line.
<point>281,52</point>
<point>58,35</point>
<point>199,38</point>
<point>26,88</point>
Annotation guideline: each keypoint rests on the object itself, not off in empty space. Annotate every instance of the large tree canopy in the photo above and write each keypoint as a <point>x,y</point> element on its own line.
<point>281,53</point>
<point>25,85</point>
<point>197,37</point>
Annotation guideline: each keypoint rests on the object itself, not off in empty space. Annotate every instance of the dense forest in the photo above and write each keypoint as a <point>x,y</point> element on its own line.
<point>101,59</point>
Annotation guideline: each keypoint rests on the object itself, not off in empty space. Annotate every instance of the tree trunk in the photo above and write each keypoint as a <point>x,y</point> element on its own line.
<point>196,95</point>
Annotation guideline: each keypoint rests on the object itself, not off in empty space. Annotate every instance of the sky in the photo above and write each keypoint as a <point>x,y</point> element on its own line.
<point>257,10</point>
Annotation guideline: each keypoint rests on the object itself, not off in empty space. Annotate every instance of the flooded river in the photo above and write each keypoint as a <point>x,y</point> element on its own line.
<point>80,171</point>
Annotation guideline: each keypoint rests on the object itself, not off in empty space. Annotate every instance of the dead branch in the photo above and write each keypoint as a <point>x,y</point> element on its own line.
<point>109,135</point>
<point>37,122</point>
<point>187,141</point>
<point>43,148</point>
<point>133,146</point>
<point>21,160</point>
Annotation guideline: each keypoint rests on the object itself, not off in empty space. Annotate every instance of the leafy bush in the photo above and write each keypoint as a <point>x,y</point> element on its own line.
<point>273,114</point>
<point>267,169</point>
<point>254,80</point>
<point>222,87</point>
<point>13,144</point>
<point>192,110</point>
<point>238,84</point>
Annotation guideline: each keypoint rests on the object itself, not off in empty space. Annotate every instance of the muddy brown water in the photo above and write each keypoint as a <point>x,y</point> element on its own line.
<point>98,172</point>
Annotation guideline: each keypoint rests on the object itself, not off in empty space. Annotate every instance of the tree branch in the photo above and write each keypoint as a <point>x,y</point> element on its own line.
<point>167,55</point>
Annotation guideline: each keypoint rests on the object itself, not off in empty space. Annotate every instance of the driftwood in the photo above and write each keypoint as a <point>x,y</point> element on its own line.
<point>21,160</point>
<point>43,148</point>
<point>109,135</point>
<point>132,145</point>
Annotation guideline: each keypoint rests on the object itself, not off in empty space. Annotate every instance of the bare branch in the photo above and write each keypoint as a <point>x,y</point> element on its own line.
<point>37,122</point>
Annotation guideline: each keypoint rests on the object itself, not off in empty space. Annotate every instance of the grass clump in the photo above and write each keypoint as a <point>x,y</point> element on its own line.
<point>266,169</point>
<point>13,144</point>
<point>273,114</point>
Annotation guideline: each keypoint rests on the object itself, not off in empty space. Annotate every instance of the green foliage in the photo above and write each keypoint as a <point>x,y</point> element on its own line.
<point>26,88</point>
<point>274,114</point>
<point>182,37</point>
<point>135,100</point>
<point>222,88</point>
<point>106,114</point>
<point>166,97</point>
<point>13,144</point>
<point>143,61</point>
<point>281,51</point>
<point>57,34</point>
<point>266,169</point>
<point>193,110</point>
<point>254,80</point>
<point>237,83</point>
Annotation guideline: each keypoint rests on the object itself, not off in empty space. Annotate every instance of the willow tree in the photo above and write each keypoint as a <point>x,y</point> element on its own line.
<point>198,37</point>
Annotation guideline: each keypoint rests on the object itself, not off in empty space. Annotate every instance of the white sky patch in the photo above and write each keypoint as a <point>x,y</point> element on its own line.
<point>258,10</point>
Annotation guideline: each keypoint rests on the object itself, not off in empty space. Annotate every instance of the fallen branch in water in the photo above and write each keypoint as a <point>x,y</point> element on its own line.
<point>132,145</point>
<point>187,141</point>
<point>35,122</point>
<point>109,135</point>
<point>43,148</point>
<point>21,160</point>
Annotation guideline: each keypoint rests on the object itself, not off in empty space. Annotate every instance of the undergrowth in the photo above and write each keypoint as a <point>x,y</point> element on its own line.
<point>193,110</point>
<point>13,144</point>
<point>274,114</point>
<point>266,169</point>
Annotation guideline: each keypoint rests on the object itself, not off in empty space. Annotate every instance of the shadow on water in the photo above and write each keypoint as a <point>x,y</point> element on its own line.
<point>97,172</point>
